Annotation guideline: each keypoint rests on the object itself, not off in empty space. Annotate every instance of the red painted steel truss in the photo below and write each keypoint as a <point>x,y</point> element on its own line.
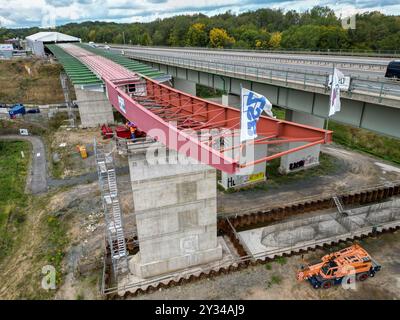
<point>171,117</point>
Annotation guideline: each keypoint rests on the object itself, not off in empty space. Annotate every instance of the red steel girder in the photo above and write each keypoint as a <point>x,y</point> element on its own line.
<point>162,103</point>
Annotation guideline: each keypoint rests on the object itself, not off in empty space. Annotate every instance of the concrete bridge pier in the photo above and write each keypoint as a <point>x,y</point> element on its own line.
<point>306,158</point>
<point>249,175</point>
<point>185,86</point>
<point>231,100</point>
<point>176,213</point>
<point>94,107</point>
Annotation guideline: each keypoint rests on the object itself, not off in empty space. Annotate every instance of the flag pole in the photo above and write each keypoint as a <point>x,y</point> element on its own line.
<point>241,114</point>
<point>330,96</point>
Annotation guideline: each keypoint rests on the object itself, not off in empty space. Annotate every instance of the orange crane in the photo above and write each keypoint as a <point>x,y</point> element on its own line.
<point>344,265</point>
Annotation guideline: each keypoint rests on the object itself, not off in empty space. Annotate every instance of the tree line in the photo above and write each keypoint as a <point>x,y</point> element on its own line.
<point>315,29</point>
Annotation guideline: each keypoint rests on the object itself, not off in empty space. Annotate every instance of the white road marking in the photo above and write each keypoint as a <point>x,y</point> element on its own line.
<point>387,167</point>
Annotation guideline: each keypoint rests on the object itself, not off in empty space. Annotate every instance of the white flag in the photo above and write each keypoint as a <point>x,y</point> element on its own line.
<point>334,105</point>
<point>253,104</point>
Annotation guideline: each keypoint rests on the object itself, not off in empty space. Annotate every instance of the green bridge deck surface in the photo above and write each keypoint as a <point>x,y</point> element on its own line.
<point>132,65</point>
<point>78,73</point>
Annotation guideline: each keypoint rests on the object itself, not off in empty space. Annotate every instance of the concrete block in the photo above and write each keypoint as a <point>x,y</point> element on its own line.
<point>306,158</point>
<point>231,100</point>
<point>186,85</point>
<point>249,175</point>
<point>94,107</point>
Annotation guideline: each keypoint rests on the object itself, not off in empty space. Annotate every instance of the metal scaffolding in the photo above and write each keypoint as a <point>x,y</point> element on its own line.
<point>112,208</point>
<point>64,85</point>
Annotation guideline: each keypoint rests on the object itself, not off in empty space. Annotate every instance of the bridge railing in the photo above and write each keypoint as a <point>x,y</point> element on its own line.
<point>254,58</point>
<point>377,87</point>
<point>318,52</point>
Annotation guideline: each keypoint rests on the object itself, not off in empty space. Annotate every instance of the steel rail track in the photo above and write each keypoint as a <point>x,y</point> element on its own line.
<point>227,226</point>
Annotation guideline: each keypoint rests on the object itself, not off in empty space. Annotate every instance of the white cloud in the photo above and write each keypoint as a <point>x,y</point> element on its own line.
<point>19,13</point>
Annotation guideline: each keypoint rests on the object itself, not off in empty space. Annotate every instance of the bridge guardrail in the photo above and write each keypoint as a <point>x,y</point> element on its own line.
<point>377,66</point>
<point>318,52</point>
<point>380,88</point>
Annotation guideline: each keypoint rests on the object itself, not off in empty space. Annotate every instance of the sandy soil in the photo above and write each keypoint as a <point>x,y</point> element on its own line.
<point>64,143</point>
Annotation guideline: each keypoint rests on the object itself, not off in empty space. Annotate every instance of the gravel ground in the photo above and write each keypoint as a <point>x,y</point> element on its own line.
<point>277,279</point>
<point>353,170</point>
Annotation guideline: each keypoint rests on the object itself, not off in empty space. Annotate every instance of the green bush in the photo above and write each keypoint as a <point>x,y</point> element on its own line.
<point>359,139</point>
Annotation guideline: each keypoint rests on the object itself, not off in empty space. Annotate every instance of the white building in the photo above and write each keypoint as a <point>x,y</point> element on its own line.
<point>6,51</point>
<point>37,41</point>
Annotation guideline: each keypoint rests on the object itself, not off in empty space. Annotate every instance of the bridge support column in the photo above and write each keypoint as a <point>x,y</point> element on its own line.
<point>94,107</point>
<point>305,158</point>
<point>176,214</point>
<point>231,100</point>
<point>247,176</point>
<point>185,86</point>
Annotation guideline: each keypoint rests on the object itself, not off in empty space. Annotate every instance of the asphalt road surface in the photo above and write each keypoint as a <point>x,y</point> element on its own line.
<point>37,177</point>
<point>354,66</point>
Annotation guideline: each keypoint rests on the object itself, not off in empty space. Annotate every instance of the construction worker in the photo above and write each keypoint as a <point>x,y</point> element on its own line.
<point>133,130</point>
<point>132,127</point>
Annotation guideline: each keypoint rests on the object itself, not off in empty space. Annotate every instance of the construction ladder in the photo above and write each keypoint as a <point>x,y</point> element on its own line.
<point>112,209</point>
<point>338,203</point>
<point>342,216</point>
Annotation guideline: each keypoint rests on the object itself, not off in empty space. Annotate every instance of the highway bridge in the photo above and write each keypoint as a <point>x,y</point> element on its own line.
<point>298,82</point>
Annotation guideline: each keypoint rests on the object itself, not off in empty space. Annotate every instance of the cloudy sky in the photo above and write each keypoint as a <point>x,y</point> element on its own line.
<point>22,13</point>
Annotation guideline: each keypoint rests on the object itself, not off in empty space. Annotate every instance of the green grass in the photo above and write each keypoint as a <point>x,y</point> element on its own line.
<point>13,200</point>
<point>80,296</point>
<point>281,260</point>
<point>49,249</point>
<point>359,139</point>
<point>366,141</point>
<point>275,279</point>
<point>206,92</point>
<point>279,113</point>
<point>56,243</point>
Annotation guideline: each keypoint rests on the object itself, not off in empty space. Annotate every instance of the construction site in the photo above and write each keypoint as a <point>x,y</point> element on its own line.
<point>137,188</point>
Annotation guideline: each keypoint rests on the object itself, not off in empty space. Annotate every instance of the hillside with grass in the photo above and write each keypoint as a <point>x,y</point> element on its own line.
<point>13,200</point>
<point>30,81</point>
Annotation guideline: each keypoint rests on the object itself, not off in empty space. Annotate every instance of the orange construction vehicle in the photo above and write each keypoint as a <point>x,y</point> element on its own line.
<point>344,265</point>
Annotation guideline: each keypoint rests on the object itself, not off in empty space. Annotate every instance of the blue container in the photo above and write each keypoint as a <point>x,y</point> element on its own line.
<point>17,109</point>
